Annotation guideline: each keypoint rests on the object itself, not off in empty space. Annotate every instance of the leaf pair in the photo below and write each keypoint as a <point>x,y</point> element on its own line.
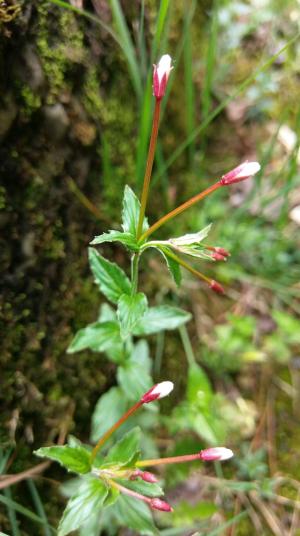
<point>130,217</point>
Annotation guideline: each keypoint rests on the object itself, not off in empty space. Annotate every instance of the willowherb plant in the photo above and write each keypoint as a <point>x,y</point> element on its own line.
<point>116,482</point>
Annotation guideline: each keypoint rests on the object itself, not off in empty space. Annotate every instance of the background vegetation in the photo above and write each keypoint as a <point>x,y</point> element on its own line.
<point>75,109</point>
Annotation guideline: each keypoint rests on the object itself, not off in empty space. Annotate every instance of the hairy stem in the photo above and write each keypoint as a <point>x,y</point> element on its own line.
<point>149,165</point>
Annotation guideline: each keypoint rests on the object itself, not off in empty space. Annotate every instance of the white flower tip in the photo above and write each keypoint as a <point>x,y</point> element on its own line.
<point>164,64</point>
<point>216,454</point>
<point>157,391</point>
<point>248,168</point>
<point>163,389</point>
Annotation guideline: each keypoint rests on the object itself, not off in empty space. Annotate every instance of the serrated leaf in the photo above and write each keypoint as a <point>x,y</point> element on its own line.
<point>130,310</point>
<point>142,487</point>
<point>135,515</point>
<point>86,503</point>
<point>163,317</point>
<point>134,380</point>
<point>173,267</point>
<point>125,450</point>
<point>75,459</point>
<point>130,213</point>
<point>111,280</point>
<point>109,408</point>
<point>127,239</point>
<point>97,336</point>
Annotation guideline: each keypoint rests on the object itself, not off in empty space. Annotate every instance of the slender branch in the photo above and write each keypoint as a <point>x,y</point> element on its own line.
<point>113,428</point>
<point>180,209</point>
<point>173,459</point>
<point>149,165</point>
<point>187,266</point>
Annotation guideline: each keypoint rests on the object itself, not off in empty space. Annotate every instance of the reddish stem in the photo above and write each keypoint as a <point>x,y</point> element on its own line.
<point>149,165</point>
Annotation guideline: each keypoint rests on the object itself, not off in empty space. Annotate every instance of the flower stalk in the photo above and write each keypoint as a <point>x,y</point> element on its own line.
<point>149,165</point>
<point>211,454</point>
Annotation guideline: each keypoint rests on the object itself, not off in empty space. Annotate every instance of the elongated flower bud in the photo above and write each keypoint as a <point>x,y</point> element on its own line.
<point>157,391</point>
<point>161,74</point>
<point>158,504</point>
<point>216,454</point>
<point>216,287</point>
<point>240,173</point>
<point>144,475</point>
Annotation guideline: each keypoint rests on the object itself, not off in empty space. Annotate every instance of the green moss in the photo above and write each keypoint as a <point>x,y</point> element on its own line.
<point>31,100</point>
<point>57,55</point>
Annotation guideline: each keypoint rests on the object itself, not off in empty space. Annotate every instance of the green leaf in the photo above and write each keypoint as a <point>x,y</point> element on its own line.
<point>140,355</point>
<point>107,313</point>
<point>76,459</point>
<point>130,213</point>
<point>135,515</point>
<point>127,239</point>
<point>109,408</point>
<point>198,386</point>
<point>112,497</point>
<point>134,379</point>
<point>173,266</point>
<point>130,310</point>
<point>191,239</point>
<point>126,450</point>
<point>87,502</point>
<point>98,337</point>
<point>142,487</point>
<point>203,427</point>
<point>111,280</point>
<point>161,318</point>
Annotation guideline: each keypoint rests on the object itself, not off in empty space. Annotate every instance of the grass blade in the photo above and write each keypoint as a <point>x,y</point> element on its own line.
<point>39,505</point>
<point>224,526</point>
<point>22,510</point>
<point>12,514</point>
<point>190,108</point>
<point>127,45</point>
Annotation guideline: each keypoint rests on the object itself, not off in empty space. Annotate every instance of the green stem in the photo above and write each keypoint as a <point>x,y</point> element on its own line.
<point>189,352</point>
<point>149,165</point>
<point>180,209</point>
<point>187,266</point>
<point>134,272</point>
<point>113,428</point>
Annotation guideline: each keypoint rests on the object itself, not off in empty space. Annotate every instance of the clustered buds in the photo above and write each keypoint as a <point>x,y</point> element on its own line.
<point>161,74</point>
<point>160,390</point>
<point>240,173</point>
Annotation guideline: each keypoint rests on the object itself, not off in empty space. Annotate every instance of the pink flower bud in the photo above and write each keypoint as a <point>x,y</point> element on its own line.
<point>216,287</point>
<point>144,475</point>
<point>157,391</point>
<point>216,454</point>
<point>218,256</point>
<point>161,74</point>
<point>240,173</point>
<point>158,504</point>
<point>222,251</point>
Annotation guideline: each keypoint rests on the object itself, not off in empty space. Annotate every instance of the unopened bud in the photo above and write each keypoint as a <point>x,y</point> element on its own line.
<point>218,256</point>
<point>158,504</point>
<point>144,475</point>
<point>161,74</point>
<point>216,454</point>
<point>240,173</point>
<point>222,251</point>
<point>216,287</point>
<point>157,391</point>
